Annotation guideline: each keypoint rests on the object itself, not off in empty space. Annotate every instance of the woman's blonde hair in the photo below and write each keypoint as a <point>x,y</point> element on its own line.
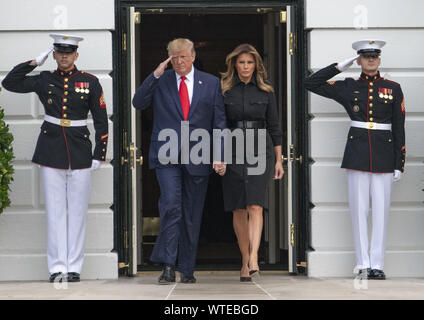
<point>228,77</point>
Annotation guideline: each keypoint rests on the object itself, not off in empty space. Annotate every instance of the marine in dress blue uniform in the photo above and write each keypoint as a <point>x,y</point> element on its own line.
<point>64,149</point>
<point>374,155</point>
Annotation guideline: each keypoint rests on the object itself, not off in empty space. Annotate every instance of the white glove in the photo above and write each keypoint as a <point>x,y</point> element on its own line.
<point>346,64</point>
<point>95,164</point>
<point>397,175</point>
<point>43,57</point>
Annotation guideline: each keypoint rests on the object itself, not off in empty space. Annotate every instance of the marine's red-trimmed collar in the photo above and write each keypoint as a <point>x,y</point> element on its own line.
<point>67,73</point>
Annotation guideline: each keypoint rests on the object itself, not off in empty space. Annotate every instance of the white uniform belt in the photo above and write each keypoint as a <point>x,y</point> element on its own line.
<point>65,122</point>
<point>372,125</point>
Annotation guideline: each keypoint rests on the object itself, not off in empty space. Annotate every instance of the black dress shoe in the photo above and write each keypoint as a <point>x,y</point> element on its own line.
<point>57,277</point>
<point>187,279</point>
<point>364,273</point>
<point>168,274</point>
<point>377,274</point>
<point>73,277</point>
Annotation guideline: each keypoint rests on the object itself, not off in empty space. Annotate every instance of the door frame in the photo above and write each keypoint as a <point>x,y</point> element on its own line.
<point>302,234</point>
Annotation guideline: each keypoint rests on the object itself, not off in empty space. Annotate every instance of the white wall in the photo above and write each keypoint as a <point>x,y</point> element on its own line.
<point>24,33</point>
<point>331,35</point>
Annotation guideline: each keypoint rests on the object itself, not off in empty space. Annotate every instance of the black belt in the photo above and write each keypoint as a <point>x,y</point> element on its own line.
<point>247,124</point>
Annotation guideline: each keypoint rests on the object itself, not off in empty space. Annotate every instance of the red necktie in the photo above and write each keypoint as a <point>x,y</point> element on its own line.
<point>184,98</point>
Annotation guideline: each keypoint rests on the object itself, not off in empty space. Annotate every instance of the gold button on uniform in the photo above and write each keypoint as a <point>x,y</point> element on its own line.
<point>66,79</point>
<point>370,112</point>
<point>371,119</point>
<point>65,100</point>
<point>370,104</point>
<point>371,84</point>
<point>65,93</point>
<point>371,90</point>
<point>85,136</point>
<point>65,115</point>
<point>371,97</point>
<point>64,108</point>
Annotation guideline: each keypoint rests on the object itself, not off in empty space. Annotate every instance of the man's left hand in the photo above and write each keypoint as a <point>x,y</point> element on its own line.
<point>95,164</point>
<point>397,175</point>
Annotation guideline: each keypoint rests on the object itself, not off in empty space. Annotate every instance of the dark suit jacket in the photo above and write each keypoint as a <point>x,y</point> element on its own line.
<point>64,147</point>
<point>377,151</point>
<point>206,112</point>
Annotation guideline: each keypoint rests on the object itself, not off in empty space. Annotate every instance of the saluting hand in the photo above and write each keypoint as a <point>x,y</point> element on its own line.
<point>161,68</point>
<point>39,61</point>
<point>346,64</point>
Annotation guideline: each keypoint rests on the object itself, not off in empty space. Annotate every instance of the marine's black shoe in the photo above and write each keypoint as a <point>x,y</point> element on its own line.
<point>377,275</point>
<point>57,277</point>
<point>73,277</point>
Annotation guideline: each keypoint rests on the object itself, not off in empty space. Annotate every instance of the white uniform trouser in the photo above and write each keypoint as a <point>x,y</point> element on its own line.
<point>363,187</point>
<point>66,190</point>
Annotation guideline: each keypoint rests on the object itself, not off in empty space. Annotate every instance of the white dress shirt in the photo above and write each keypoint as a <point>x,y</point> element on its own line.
<point>189,82</point>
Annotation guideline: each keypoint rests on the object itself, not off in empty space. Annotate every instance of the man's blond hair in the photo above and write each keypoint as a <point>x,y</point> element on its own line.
<point>180,44</point>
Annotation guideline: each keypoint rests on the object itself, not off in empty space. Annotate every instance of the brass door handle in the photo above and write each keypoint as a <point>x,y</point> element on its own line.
<point>140,160</point>
<point>123,160</point>
<point>300,159</point>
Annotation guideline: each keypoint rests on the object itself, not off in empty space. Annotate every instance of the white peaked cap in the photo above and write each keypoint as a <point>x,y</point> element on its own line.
<point>65,42</point>
<point>368,45</point>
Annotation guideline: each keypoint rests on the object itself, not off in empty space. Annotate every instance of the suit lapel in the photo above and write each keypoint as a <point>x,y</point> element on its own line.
<point>171,82</point>
<point>197,92</point>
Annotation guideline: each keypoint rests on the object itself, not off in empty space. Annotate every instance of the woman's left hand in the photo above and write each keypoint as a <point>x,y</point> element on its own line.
<point>279,171</point>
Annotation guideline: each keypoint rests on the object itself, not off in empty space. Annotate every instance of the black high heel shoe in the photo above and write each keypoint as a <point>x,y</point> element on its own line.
<point>245,279</point>
<point>254,273</point>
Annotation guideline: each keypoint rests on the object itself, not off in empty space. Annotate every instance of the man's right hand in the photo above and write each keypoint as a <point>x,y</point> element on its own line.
<point>346,64</point>
<point>43,57</point>
<point>161,68</point>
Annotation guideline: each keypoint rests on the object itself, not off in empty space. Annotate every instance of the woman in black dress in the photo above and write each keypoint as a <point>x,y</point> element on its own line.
<point>250,105</point>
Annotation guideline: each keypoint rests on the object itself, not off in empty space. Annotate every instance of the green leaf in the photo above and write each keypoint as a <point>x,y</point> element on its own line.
<point>6,165</point>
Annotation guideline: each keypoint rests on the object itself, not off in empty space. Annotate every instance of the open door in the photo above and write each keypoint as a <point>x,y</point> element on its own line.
<point>129,163</point>
<point>141,40</point>
<point>294,160</point>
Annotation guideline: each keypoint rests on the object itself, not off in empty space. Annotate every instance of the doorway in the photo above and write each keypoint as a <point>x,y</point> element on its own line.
<point>215,35</point>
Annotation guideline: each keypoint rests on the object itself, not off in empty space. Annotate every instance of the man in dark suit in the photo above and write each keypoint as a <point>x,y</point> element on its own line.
<point>183,99</point>
<point>375,150</point>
